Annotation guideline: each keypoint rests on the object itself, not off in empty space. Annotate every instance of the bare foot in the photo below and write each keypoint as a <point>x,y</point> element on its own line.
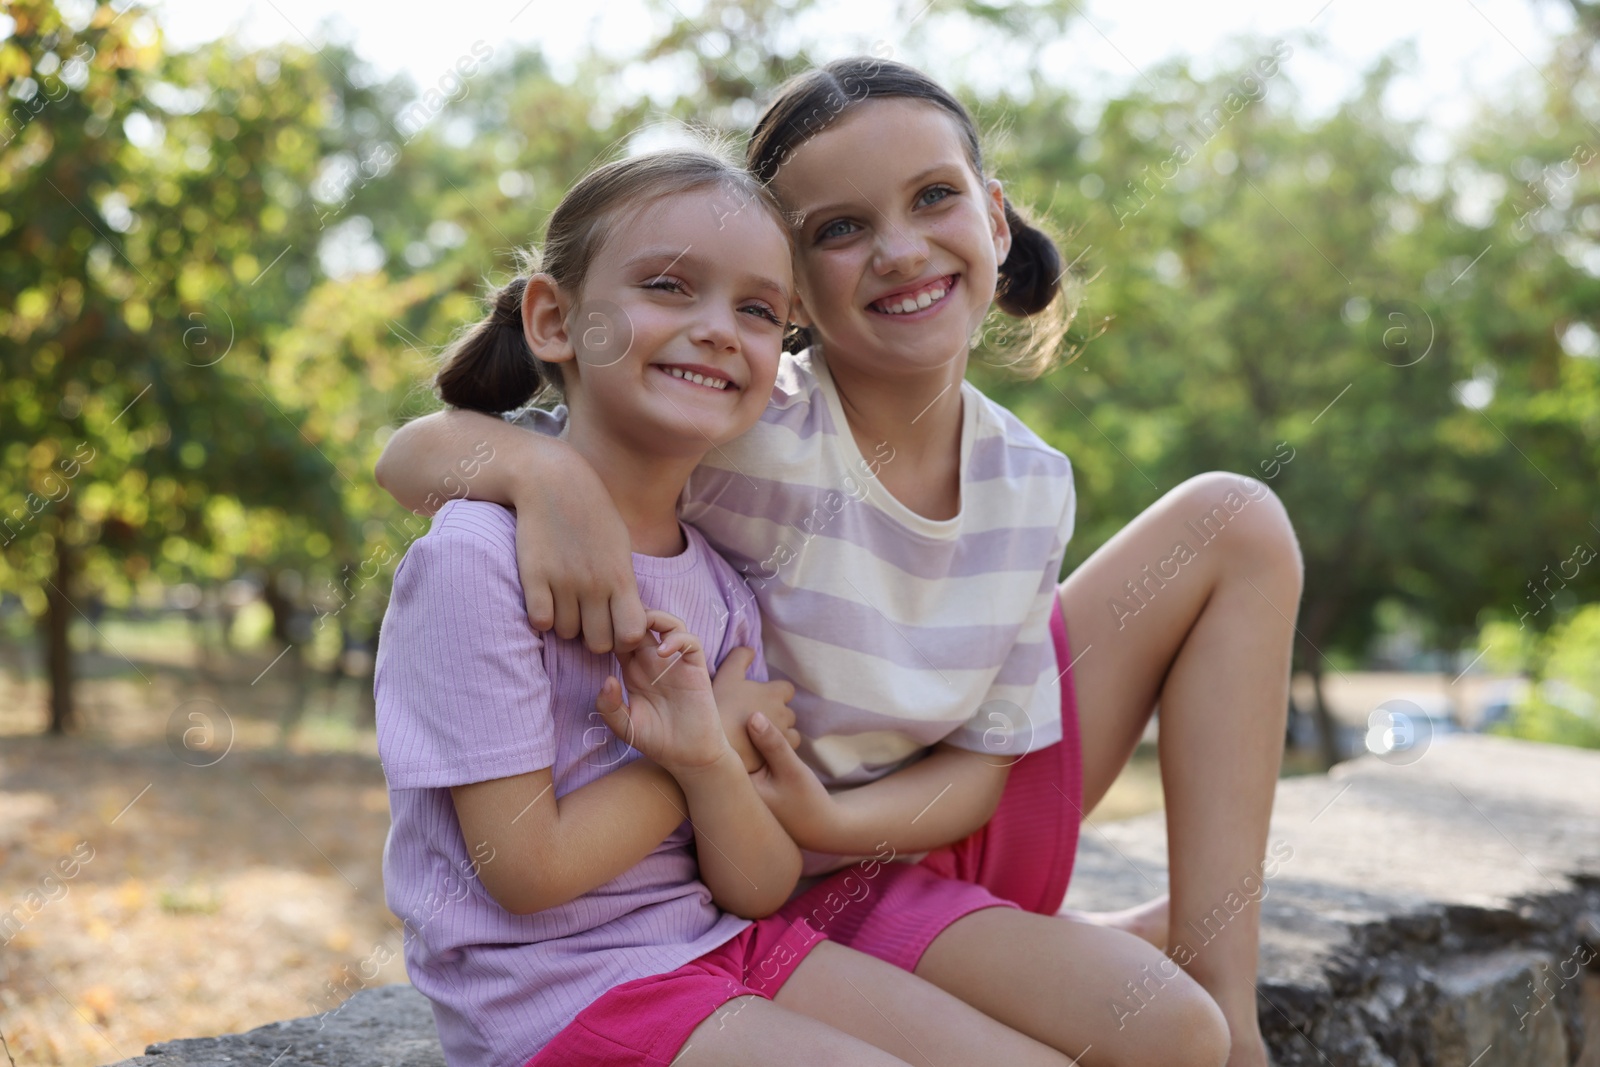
<point>1147,921</point>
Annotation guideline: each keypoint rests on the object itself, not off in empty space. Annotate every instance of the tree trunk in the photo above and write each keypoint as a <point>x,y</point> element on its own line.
<point>57,638</point>
<point>1327,732</point>
<point>282,594</point>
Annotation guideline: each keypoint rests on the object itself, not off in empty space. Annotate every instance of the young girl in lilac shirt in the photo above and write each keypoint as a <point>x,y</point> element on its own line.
<point>580,850</point>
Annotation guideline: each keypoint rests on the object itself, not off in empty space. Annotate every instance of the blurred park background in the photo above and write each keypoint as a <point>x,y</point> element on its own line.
<point>227,267</point>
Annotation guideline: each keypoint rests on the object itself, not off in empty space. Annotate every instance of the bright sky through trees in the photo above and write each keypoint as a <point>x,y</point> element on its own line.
<point>1465,49</point>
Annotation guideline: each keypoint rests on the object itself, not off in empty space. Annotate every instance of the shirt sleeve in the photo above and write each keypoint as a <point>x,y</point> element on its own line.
<point>550,423</point>
<point>1021,711</point>
<point>462,692</point>
<point>744,621</point>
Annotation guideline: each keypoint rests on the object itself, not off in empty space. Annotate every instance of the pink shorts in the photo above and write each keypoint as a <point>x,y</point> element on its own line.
<point>646,1022</point>
<point>1021,858</point>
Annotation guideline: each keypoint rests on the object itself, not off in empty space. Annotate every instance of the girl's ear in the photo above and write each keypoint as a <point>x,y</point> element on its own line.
<point>544,319</point>
<point>997,220</point>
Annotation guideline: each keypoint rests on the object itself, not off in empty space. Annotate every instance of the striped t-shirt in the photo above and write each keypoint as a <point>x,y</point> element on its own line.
<point>898,631</point>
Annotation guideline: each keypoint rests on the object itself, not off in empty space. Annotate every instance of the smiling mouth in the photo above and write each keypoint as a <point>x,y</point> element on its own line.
<point>919,299</point>
<point>705,381</point>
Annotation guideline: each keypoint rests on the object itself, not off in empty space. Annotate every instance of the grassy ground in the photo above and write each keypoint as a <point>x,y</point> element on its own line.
<point>224,872</point>
<point>214,887</point>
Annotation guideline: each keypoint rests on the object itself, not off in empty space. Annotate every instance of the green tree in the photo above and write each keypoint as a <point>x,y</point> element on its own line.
<point>143,200</point>
<point>1288,299</point>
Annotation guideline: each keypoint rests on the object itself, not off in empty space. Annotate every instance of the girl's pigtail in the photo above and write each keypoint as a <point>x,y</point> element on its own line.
<point>491,368</point>
<point>1030,277</point>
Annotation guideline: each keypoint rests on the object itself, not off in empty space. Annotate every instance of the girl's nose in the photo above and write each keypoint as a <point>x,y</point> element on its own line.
<point>899,250</point>
<point>716,330</point>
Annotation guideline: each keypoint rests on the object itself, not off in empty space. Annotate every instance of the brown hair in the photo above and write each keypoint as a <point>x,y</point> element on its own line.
<point>490,367</point>
<point>1030,283</point>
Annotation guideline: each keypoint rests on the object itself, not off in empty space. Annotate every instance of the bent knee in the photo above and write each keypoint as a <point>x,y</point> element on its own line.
<point>1202,1032</point>
<point>1258,528</point>
<point>1181,1027</point>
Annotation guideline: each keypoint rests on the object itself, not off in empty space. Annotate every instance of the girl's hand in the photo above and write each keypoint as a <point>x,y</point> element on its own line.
<point>671,715</point>
<point>738,698</point>
<point>573,552</point>
<point>791,791</point>
<point>575,557</point>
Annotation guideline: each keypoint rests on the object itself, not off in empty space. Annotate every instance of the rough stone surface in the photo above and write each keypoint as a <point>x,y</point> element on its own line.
<point>1418,915</point>
<point>390,1026</point>
<point>1428,913</point>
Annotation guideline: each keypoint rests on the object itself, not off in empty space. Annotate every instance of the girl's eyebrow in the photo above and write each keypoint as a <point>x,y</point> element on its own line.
<point>916,179</point>
<point>762,284</point>
<point>649,256</point>
<point>923,175</point>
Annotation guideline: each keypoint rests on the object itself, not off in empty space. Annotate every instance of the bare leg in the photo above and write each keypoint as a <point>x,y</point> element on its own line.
<point>1102,995</point>
<point>750,1029</point>
<point>1209,636</point>
<point>843,1007</point>
<point>1147,921</point>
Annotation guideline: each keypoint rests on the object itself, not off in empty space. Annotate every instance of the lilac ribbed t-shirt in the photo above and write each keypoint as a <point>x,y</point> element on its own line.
<point>467,691</point>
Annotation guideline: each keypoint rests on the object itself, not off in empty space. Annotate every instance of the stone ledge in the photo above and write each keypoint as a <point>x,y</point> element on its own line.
<point>390,1026</point>
<point>1427,914</point>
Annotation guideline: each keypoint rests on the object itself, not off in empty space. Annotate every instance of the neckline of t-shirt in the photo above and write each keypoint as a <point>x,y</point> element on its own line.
<point>887,502</point>
<point>668,566</point>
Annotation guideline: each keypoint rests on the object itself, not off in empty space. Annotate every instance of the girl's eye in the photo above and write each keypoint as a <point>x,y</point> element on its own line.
<point>764,312</point>
<point>670,285</point>
<point>836,228</point>
<point>943,191</point>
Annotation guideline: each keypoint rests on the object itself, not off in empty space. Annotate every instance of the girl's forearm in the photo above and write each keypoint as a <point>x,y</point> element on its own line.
<point>451,454</point>
<point>746,857</point>
<point>935,801</point>
<point>547,852</point>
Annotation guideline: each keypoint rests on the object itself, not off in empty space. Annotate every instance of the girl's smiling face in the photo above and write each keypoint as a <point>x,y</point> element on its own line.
<point>898,239</point>
<point>675,340</point>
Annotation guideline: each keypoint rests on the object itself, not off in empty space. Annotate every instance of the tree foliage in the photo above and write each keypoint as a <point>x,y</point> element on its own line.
<point>228,272</point>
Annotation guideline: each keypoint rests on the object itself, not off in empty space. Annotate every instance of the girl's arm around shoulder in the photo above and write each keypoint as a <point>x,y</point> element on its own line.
<point>573,552</point>
<point>454,453</point>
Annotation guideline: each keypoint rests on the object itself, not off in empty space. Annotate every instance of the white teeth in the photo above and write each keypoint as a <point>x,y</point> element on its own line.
<point>924,299</point>
<point>698,379</point>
